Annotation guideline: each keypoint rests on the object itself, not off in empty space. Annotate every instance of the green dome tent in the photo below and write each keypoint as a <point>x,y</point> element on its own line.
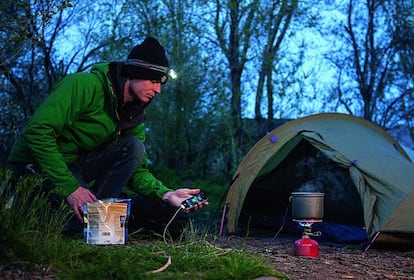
<point>366,176</point>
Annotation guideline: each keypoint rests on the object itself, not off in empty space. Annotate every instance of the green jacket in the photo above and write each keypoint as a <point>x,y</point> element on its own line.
<point>79,115</point>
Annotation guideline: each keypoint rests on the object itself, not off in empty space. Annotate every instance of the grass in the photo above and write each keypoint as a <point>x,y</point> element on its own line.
<point>136,261</point>
<point>32,238</point>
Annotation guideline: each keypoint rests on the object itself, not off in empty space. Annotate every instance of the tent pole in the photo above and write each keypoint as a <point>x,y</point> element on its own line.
<point>222,219</point>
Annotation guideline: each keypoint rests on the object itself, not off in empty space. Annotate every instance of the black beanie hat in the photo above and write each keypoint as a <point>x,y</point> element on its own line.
<point>147,61</point>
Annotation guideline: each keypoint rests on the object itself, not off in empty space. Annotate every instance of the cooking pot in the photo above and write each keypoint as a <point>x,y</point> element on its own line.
<point>307,206</point>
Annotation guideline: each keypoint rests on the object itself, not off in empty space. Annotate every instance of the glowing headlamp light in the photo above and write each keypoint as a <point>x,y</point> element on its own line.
<point>172,74</point>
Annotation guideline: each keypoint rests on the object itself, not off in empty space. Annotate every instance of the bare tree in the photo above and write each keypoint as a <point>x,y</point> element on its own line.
<point>371,82</point>
<point>277,19</point>
<point>234,25</point>
<point>29,35</point>
<point>28,30</point>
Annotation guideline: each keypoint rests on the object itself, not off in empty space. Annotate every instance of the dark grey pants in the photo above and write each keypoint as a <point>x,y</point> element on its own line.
<point>110,167</point>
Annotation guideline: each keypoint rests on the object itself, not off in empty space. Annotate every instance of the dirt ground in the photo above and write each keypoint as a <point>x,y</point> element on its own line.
<point>333,262</point>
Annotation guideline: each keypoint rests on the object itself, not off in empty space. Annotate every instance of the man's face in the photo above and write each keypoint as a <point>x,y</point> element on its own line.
<point>141,90</point>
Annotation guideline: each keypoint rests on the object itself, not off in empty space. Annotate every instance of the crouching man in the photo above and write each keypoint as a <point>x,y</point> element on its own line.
<point>87,138</point>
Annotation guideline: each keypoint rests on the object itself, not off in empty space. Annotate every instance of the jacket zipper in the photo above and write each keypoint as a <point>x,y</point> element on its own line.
<point>118,131</point>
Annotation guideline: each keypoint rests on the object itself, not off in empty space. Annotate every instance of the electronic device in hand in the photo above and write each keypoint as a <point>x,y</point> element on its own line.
<point>193,201</point>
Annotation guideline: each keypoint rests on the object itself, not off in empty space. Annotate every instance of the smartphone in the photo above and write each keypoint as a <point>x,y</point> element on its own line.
<point>194,200</point>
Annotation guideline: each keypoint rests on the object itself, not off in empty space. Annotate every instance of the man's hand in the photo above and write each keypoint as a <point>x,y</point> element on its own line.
<point>78,198</point>
<point>175,198</point>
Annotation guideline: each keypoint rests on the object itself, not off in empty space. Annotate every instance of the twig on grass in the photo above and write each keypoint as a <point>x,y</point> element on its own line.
<point>162,268</point>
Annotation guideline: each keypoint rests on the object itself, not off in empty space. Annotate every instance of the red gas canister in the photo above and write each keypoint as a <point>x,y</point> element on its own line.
<point>306,247</point>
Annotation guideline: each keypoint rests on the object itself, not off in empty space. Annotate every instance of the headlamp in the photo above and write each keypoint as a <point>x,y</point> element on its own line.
<point>164,72</point>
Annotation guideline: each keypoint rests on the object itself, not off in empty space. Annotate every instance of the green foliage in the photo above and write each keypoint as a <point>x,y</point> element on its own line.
<point>171,177</point>
<point>27,222</point>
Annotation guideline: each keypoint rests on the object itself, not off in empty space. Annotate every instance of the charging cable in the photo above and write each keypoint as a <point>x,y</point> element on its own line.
<point>164,234</point>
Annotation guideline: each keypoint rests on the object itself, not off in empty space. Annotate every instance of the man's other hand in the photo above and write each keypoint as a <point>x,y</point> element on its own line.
<point>78,198</point>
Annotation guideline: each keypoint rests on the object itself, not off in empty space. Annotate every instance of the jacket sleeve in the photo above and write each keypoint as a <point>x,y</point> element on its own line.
<point>143,181</point>
<point>58,111</point>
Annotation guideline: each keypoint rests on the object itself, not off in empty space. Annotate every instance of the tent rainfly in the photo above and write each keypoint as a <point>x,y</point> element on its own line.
<point>367,177</point>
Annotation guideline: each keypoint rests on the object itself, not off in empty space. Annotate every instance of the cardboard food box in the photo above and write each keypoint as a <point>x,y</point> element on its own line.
<point>105,221</point>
